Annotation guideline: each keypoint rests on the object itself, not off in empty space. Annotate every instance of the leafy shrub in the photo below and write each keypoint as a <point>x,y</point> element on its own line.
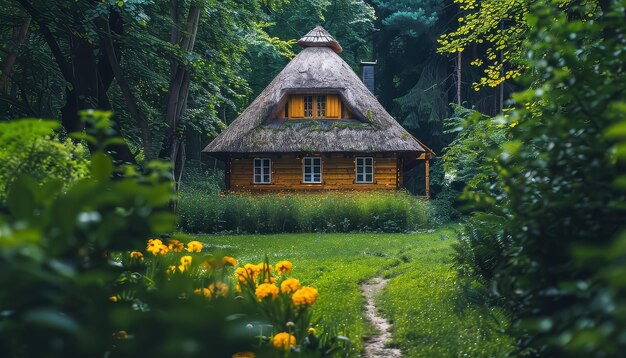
<point>547,242</point>
<point>76,282</point>
<point>30,147</point>
<point>301,212</point>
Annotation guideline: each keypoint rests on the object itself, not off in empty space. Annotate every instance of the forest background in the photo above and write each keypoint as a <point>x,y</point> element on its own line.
<point>541,171</point>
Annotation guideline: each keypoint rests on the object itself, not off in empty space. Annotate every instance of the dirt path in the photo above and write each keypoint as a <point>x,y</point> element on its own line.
<point>375,345</point>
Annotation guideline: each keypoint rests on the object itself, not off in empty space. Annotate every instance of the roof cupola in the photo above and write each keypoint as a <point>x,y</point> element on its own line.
<point>319,37</point>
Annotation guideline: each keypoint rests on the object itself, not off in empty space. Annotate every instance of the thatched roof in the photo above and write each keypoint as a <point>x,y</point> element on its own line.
<point>318,37</point>
<point>316,69</point>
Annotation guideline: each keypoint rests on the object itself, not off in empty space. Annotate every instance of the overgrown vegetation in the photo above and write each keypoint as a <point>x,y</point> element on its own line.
<point>86,275</point>
<point>546,238</point>
<point>419,298</point>
<point>202,210</point>
<point>32,148</point>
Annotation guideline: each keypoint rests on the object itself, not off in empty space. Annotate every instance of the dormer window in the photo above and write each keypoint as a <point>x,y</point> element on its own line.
<point>308,106</point>
<point>314,106</point>
<point>321,106</point>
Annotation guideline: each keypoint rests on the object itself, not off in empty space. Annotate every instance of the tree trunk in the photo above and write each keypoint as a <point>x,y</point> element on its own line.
<point>458,78</point>
<point>10,61</point>
<point>178,93</point>
<point>129,98</point>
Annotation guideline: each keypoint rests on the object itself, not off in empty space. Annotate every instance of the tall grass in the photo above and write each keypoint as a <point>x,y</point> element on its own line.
<point>203,210</point>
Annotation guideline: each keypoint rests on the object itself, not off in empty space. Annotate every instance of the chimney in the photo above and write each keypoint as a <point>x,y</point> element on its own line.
<point>368,74</point>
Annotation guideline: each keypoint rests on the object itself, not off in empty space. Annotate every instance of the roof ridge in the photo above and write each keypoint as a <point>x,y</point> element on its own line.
<point>319,37</point>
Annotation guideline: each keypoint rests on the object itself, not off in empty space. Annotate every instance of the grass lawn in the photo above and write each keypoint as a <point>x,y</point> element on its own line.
<point>419,299</point>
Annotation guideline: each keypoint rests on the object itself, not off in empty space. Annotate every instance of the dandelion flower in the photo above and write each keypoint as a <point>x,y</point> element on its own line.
<point>284,341</point>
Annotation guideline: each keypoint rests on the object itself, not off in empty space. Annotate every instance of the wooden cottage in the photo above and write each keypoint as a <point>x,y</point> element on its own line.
<point>316,126</point>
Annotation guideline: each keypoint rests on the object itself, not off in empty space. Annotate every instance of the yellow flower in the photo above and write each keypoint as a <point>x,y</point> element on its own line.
<point>284,341</point>
<point>265,268</point>
<point>253,269</point>
<point>242,274</point>
<point>176,245</point>
<point>243,355</point>
<point>121,335</point>
<point>163,249</point>
<point>171,270</point>
<point>114,298</point>
<point>304,297</point>
<point>154,246</point>
<point>229,261</point>
<point>185,262</point>
<point>220,289</point>
<point>284,267</point>
<point>289,285</point>
<point>194,246</point>
<point>136,255</point>
<point>269,279</point>
<point>266,290</point>
<point>311,331</point>
<point>203,291</point>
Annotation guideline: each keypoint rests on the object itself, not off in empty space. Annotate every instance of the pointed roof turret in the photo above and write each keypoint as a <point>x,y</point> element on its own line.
<point>319,37</point>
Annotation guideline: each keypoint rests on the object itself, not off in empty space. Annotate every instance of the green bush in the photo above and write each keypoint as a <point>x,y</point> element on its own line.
<point>30,147</point>
<point>207,212</point>
<point>547,239</point>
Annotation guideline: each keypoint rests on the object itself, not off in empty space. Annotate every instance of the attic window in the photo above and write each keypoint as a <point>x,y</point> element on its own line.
<point>314,106</point>
<point>321,106</point>
<point>308,106</point>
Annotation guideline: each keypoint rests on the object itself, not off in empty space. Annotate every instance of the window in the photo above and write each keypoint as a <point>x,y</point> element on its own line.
<point>364,170</point>
<point>262,171</point>
<point>312,170</point>
<point>321,106</point>
<point>308,106</point>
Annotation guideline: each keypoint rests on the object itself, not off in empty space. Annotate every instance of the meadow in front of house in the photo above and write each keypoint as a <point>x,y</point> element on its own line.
<point>420,299</point>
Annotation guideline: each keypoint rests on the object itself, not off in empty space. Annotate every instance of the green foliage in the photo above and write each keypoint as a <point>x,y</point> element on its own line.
<point>468,158</point>
<point>410,17</point>
<point>54,253</point>
<point>498,28</point>
<point>30,147</point>
<point>202,211</point>
<point>548,245</point>
<point>349,21</point>
<point>419,299</point>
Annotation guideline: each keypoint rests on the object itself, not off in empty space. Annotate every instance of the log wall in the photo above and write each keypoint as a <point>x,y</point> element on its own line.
<point>338,173</point>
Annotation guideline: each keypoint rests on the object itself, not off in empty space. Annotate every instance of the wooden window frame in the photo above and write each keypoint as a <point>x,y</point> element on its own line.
<point>318,107</point>
<point>262,174</point>
<point>321,165</point>
<point>313,105</point>
<point>363,170</point>
<point>315,102</point>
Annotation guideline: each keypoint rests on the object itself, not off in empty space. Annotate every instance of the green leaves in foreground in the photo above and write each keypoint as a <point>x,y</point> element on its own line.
<point>55,246</point>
